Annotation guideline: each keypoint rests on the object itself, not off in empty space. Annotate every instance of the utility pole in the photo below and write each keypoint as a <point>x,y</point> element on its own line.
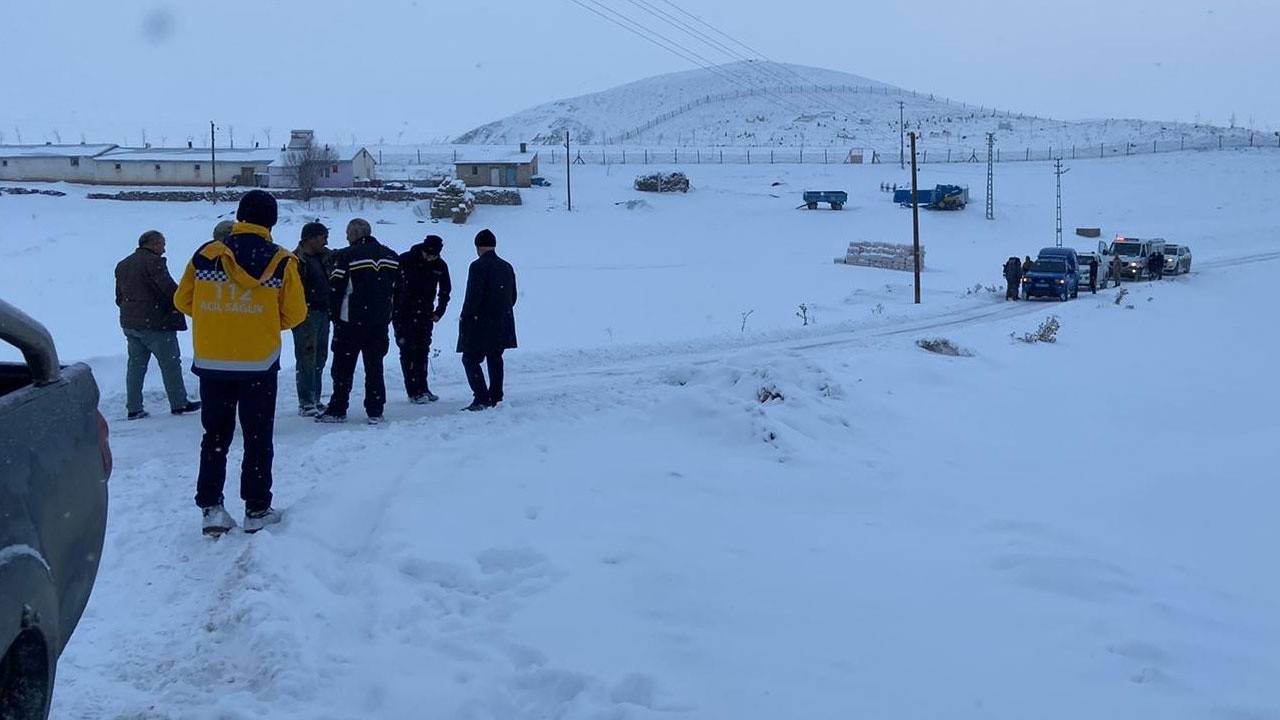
<point>1058,172</point>
<point>915,217</point>
<point>991,207</point>
<point>902,129</point>
<point>568,183</point>
<point>213,164</point>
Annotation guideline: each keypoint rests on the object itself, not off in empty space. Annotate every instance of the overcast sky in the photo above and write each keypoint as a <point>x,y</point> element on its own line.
<point>424,70</point>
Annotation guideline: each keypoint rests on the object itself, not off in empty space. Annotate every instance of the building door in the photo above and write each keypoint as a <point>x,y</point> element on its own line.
<point>495,177</point>
<point>511,177</point>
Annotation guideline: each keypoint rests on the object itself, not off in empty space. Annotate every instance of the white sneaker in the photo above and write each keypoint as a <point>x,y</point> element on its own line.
<point>376,420</point>
<point>216,520</point>
<point>255,521</point>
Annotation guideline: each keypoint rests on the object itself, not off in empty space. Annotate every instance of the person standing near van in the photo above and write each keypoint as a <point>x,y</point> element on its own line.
<point>1012,278</point>
<point>1093,274</point>
<point>1116,266</point>
<point>144,294</point>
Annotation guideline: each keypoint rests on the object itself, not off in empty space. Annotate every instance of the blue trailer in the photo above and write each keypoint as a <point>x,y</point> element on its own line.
<point>940,197</point>
<point>837,198</point>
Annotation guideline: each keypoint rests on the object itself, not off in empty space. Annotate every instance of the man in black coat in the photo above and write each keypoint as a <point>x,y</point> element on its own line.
<point>423,297</point>
<point>362,292</point>
<point>311,338</point>
<point>487,324</point>
<point>1093,274</point>
<point>1012,278</point>
<point>144,293</point>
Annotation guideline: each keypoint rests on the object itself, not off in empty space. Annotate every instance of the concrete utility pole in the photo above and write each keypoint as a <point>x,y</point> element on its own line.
<point>902,129</point>
<point>213,164</point>
<point>568,183</point>
<point>1058,172</point>
<point>915,217</point>
<point>991,207</point>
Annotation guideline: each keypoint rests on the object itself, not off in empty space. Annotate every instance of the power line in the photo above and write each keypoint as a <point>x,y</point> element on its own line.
<point>657,38</point>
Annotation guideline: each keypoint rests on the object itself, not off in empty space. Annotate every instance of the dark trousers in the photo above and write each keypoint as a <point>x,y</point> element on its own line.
<point>492,394</point>
<point>255,398</point>
<point>1093,282</point>
<point>1011,290</point>
<point>415,351</point>
<point>349,343</point>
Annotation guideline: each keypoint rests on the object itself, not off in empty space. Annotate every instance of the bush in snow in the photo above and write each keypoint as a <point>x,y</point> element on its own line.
<point>1047,332</point>
<point>663,182</point>
<point>943,346</point>
<point>1120,295</point>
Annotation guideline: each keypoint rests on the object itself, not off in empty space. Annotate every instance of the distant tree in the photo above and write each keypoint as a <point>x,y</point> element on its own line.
<point>1232,120</point>
<point>305,166</point>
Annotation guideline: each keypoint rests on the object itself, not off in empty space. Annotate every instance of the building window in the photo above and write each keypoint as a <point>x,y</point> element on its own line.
<point>475,169</point>
<point>117,167</point>
<point>197,170</point>
<point>75,162</point>
<point>335,170</point>
<point>157,168</point>
<point>4,163</point>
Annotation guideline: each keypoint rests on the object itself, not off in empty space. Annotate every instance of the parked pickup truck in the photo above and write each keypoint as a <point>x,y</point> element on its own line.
<point>54,465</point>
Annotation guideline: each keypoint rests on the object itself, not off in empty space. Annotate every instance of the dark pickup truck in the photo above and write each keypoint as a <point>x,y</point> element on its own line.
<point>54,465</point>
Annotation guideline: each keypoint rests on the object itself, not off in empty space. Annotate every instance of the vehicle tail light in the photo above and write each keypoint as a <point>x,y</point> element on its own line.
<point>104,445</point>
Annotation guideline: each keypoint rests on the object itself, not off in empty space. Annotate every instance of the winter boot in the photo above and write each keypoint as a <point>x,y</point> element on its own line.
<point>255,520</point>
<point>216,520</point>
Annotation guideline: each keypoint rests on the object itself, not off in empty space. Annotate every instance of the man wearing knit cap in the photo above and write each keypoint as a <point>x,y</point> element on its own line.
<point>241,293</point>
<point>487,324</point>
<point>423,297</point>
<point>311,338</point>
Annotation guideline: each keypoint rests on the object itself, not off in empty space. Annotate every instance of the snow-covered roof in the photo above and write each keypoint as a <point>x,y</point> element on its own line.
<point>493,156</point>
<point>249,155</point>
<point>37,151</point>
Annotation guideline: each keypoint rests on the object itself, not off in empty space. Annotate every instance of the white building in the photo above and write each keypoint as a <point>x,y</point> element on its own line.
<point>183,167</point>
<point>50,163</point>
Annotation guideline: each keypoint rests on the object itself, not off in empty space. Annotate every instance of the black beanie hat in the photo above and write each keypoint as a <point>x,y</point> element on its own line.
<point>258,207</point>
<point>434,242</point>
<point>486,238</point>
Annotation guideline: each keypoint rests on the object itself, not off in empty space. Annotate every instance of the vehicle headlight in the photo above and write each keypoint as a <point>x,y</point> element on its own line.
<point>1061,282</point>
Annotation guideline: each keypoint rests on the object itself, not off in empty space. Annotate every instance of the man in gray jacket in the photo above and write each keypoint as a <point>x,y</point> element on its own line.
<point>144,293</point>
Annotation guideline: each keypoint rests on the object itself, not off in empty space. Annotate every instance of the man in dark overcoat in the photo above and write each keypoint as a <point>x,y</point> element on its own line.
<point>487,324</point>
<point>144,294</point>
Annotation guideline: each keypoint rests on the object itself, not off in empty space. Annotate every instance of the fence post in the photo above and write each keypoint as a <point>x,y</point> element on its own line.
<point>699,151</point>
<point>721,157</point>
<point>646,156</point>
<point>770,156</point>
<point>748,156</point>
<point>824,157</point>
<point>1073,152</point>
<point>801,156</point>
<point>1102,150</point>
<point>675,156</point>
<point>948,155</point>
<point>1153,147</point>
<point>1028,154</point>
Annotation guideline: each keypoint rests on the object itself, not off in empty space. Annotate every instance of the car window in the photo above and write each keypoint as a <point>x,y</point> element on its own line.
<point>1049,266</point>
<point>1126,248</point>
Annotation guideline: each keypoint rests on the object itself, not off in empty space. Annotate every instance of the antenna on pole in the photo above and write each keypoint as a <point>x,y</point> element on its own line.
<point>991,206</point>
<point>1058,172</point>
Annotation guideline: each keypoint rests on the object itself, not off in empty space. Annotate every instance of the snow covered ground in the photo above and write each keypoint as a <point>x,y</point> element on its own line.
<point>693,505</point>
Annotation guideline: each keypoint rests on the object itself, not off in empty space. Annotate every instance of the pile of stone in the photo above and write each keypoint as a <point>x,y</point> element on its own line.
<point>498,197</point>
<point>452,200</point>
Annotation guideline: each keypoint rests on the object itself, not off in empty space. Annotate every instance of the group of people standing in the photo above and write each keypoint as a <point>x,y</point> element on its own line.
<point>241,290</point>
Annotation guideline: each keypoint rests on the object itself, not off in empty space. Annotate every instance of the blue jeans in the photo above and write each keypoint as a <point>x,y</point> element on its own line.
<point>310,353</point>
<point>163,344</point>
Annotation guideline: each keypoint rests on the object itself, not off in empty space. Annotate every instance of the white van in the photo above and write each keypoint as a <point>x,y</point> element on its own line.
<point>1135,254</point>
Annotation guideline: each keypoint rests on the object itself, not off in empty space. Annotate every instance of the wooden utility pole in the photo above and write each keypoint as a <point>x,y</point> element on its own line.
<point>901,128</point>
<point>915,217</point>
<point>213,164</point>
<point>568,183</point>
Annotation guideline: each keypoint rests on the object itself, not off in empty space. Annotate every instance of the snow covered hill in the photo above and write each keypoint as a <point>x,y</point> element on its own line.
<point>768,104</point>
